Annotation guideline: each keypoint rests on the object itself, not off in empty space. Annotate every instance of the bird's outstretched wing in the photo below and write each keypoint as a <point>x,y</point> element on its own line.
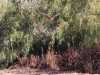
<point>47,16</point>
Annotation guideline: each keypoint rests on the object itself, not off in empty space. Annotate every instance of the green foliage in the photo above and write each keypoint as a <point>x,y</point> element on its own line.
<point>3,7</point>
<point>16,32</point>
<point>79,24</point>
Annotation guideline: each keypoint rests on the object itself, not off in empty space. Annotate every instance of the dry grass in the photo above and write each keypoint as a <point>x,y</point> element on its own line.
<point>84,60</point>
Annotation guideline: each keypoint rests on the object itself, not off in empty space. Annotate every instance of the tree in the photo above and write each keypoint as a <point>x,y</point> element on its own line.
<point>78,24</point>
<point>16,32</point>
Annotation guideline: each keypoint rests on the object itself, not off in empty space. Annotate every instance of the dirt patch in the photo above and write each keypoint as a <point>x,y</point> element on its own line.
<point>29,71</point>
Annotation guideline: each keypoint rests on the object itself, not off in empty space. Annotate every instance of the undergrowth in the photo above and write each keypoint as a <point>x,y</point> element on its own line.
<point>85,60</point>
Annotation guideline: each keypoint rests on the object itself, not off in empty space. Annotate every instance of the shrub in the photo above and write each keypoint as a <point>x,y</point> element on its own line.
<point>79,24</point>
<point>16,32</point>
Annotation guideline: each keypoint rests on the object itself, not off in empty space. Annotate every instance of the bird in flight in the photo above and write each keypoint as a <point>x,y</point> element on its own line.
<point>48,16</point>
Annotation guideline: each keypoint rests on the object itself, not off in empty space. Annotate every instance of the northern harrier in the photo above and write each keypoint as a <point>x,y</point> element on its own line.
<point>47,16</point>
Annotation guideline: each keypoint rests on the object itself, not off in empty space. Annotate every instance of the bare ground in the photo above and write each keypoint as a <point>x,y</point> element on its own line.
<point>29,71</point>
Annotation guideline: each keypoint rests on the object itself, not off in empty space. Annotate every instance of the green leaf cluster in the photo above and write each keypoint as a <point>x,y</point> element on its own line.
<point>78,24</point>
<point>16,33</point>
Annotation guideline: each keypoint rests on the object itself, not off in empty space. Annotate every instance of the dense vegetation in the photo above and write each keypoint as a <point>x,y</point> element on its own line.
<point>77,26</point>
